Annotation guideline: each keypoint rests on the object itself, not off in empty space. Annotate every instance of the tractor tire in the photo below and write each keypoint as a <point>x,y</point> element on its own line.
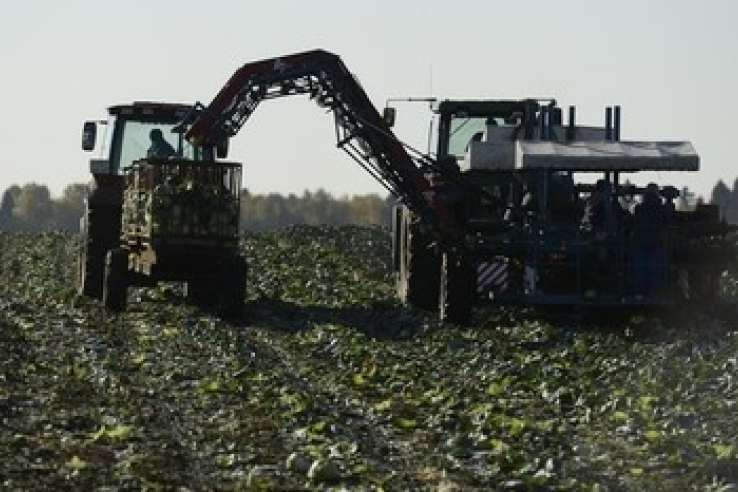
<point>100,230</point>
<point>456,295</point>
<point>232,302</point>
<point>202,293</point>
<point>115,285</point>
<point>704,286</point>
<point>418,263</point>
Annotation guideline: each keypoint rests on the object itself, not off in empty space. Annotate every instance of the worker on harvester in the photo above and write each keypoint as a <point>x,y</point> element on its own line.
<point>648,239</point>
<point>593,220</point>
<point>564,205</point>
<point>603,216</point>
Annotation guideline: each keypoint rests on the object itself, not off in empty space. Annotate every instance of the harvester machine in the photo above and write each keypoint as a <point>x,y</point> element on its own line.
<point>495,215</point>
<point>551,215</point>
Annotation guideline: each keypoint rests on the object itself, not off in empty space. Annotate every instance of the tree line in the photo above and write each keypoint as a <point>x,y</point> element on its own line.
<point>259,212</point>
<point>727,199</point>
<point>31,208</point>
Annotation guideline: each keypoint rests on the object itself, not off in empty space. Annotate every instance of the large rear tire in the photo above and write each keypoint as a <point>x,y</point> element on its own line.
<point>233,289</point>
<point>202,293</point>
<point>418,263</point>
<point>456,295</point>
<point>100,230</point>
<point>703,286</point>
<point>115,286</point>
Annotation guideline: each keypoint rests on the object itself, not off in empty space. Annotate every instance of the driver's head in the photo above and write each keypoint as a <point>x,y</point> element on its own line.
<point>156,134</point>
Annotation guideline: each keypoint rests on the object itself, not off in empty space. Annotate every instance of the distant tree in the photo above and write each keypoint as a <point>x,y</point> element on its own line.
<point>731,210</point>
<point>272,207</point>
<point>33,209</point>
<point>722,196</point>
<point>686,200</point>
<point>7,205</point>
<point>260,212</point>
<point>69,209</point>
<point>264,211</point>
<point>322,208</point>
<point>366,209</point>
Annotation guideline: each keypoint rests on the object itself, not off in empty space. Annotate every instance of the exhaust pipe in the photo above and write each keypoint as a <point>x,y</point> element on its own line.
<point>571,129</point>
<point>616,128</point>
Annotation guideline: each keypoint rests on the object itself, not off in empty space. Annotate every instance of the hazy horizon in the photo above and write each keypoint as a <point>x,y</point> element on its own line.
<point>670,65</point>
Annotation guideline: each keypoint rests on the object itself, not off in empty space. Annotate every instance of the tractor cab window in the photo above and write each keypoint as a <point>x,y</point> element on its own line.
<point>462,132</point>
<point>107,142</point>
<point>136,141</point>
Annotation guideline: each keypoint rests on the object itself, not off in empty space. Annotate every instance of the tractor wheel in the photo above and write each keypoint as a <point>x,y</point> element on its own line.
<point>456,295</point>
<point>233,289</point>
<point>418,263</point>
<point>202,293</point>
<point>703,286</point>
<point>115,285</point>
<point>99,232</point>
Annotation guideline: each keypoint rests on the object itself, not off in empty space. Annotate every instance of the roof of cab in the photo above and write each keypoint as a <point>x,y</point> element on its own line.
<point>149,107</point>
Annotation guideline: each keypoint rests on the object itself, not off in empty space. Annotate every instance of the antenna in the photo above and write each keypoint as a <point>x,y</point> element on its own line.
<point>429,100</point>
<point>430,76</point>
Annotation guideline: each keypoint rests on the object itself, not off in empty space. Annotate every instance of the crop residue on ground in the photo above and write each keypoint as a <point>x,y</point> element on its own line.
<point>332,384</point>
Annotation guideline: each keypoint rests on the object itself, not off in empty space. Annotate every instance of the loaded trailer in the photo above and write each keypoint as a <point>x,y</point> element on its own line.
<point>151,218</point>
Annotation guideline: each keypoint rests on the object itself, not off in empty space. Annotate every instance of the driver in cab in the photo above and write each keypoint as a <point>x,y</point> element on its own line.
<point>159,148</point>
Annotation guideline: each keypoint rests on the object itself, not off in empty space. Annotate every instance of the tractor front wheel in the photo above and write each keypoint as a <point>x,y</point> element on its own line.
<point>456,296</point>
<point>99,232</point>
<point>115,285</point>
<point>202,293</point>
<point>418,263</point>
<point>233,289</point>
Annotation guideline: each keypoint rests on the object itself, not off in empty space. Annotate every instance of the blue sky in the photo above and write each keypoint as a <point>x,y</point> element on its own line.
<point>671,65</point>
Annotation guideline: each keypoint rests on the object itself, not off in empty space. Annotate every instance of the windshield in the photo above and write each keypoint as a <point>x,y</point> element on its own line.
<point>137,141</point>
<point>462,130</point>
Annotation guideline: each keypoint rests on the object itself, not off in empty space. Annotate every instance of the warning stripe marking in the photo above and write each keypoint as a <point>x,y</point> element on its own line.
<point>492,275</point>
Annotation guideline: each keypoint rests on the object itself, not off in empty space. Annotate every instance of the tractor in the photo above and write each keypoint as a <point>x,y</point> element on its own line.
<point>151,217</point>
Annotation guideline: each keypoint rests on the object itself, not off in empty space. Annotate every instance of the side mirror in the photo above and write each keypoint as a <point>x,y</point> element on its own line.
<point>221,150</point>
<point>389,115</point>
<point>89,135</point>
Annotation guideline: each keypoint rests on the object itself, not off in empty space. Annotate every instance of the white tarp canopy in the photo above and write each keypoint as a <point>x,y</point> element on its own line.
<point>583,156</point>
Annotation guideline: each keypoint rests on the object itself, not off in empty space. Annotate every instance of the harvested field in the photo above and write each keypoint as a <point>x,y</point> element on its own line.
<point>331,384</point>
